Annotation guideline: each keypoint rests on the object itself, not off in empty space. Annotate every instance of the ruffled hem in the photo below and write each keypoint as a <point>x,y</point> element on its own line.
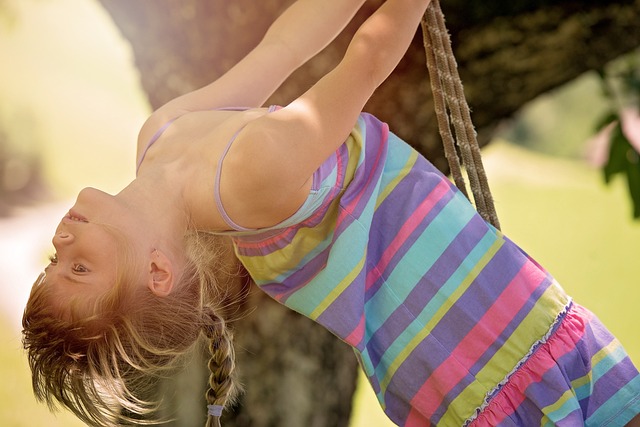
<point>540,349</point>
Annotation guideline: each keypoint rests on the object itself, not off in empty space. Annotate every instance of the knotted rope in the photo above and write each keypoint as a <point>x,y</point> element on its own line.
<point>451,108</point>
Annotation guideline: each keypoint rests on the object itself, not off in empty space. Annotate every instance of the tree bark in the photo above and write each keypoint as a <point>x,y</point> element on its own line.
<point>509,52</point>
<point>294,373</point>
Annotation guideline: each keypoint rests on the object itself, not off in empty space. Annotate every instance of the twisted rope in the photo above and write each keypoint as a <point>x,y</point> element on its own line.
<point>452,109</point>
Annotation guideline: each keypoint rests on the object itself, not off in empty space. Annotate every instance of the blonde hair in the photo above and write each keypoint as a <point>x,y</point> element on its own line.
<point>103,365</point>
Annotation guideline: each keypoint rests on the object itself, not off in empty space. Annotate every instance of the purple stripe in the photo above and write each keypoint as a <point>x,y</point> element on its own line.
<point>385,226</point>
<point>422,293</point>
<point>469,309</point>
<point>428,355</point>
<point>381,237</point>
<point>281,291</point>
<point>447,264</point>
<point>528,414</point>
<point>616,378</point>
<point>597,337</point>
<point>327,169</point>
<point>344,314</point>
<point>366,180</point>
<point>497,345</point>
<point>541,394</point>
<point>512,326</point>
<point>306,273</point>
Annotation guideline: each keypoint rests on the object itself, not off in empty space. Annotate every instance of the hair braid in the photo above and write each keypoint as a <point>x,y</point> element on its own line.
<point>221,365</point>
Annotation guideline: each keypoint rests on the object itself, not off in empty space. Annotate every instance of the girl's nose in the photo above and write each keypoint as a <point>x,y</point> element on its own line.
<point>63,237</point>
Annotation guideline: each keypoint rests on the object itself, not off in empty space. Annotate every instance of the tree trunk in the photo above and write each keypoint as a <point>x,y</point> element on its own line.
<point>295,373</point>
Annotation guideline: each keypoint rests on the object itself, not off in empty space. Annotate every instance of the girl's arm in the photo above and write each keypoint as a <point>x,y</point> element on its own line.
<point>298,34</point>
<point>294,141</point>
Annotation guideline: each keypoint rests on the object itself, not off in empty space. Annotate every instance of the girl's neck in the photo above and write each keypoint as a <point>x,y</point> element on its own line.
<point>158,202</point>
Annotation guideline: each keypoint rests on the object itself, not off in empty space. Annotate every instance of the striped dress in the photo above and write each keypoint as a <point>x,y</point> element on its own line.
<point>452,323</point>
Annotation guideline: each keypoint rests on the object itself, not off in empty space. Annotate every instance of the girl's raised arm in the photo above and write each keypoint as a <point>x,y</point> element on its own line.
<point>298,34</point>
<point>295,140</point>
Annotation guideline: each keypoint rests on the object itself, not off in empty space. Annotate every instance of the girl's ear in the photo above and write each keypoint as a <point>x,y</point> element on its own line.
<point>161,277</point>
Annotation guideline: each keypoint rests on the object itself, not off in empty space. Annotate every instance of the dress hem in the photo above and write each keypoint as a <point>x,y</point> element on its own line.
<point>496,390</point>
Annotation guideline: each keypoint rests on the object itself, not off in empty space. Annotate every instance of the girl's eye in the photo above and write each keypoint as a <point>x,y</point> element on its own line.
<point>79,268</point>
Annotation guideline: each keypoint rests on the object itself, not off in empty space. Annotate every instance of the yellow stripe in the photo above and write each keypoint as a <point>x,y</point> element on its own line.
<point>532,328</point>
<point>354,146</point>
<point>579,382</point>
<point>267,268</point>
<point>399,177</point>
<point>444,308</point>
<point>338,289</point>
<point>605,352</point>
<point>566,396</point>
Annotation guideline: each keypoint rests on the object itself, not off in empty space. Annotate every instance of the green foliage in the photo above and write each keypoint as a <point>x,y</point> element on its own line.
<point>624,160</point>
<point>621,85</point>
<point>558,123</point>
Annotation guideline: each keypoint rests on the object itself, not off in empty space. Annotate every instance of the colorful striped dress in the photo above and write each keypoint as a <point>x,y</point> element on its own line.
<point>452,323</point>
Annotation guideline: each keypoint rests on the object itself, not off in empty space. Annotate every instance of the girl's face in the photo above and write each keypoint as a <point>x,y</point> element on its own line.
<point>84,262</point>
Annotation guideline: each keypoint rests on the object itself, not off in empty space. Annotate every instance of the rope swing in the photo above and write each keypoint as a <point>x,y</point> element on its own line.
<point>451,108</point>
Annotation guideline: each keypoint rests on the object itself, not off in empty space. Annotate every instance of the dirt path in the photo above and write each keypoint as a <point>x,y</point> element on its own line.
<point>25,243</point>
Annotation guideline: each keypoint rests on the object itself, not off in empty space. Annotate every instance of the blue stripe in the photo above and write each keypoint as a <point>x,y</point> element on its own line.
<point>611,412</point>
<point>431,309</point>
<point>418,259</point>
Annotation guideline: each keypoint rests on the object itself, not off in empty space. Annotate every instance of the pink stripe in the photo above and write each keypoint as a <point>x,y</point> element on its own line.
<point>416,419</point>
<point>478,340</point>
<point>355,337</point>
<point>407,228</point>
<point>512,395</point>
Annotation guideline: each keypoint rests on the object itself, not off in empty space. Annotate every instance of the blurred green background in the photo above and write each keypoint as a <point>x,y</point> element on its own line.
<point>69,96</point>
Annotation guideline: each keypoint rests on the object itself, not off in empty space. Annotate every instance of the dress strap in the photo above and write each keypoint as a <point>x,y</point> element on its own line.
<point>218,198</point>
<point>153,139</point>
<point>216,187</point>
<point>164,127</point>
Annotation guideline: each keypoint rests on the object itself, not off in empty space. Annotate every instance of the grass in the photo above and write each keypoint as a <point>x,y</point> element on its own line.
<point>18,407</point>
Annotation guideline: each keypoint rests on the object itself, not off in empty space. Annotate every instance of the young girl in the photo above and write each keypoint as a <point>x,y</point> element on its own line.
<point>333,216</point>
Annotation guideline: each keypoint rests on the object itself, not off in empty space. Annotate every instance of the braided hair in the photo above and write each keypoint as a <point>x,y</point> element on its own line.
<point>221,367</point>
<point>218,308</point>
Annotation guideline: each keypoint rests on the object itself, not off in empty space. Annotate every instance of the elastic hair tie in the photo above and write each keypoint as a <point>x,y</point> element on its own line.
<point>215,410</point>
